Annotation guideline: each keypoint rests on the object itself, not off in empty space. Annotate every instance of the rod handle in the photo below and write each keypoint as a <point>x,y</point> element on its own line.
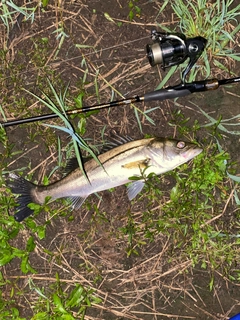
<point>163,94</point>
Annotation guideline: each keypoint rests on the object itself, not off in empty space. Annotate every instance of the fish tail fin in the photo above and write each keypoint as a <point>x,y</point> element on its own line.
<point>19,185</point>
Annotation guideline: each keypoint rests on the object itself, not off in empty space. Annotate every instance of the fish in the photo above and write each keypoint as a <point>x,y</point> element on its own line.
<point>122,161</point>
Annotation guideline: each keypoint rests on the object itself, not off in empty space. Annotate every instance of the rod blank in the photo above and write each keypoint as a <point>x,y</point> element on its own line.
<point>180,90</point>
<point>71,112</point>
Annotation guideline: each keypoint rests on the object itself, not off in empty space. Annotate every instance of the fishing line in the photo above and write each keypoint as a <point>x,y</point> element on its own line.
<point>88,54</point>
<point>105,49</point>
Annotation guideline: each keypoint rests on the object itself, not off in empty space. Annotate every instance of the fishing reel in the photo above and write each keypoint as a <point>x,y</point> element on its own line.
<point>173,49</point>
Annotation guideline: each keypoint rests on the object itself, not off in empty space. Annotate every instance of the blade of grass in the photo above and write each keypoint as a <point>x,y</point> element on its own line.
<point>167,77</point>
<point>78,142</point>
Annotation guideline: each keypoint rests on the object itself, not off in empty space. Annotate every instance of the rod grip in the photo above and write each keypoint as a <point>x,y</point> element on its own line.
<point>164,94</point>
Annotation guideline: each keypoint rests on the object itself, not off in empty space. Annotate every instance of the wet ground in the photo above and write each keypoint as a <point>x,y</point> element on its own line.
<point>85,248</point>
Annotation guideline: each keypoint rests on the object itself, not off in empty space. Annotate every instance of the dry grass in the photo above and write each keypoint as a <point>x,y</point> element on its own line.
<point>88,251</point>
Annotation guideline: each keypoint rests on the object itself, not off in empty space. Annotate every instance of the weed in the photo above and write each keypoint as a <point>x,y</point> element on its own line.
<point>222,124</point>
<point>192,212</point>
<point>41,51</point>
<point>61,35</point>
<point>8,9</point>
<point>187,206</point>
<point>214,21</point>
<point>51,303</point>
<point>61,304</point>
<point>9,231</point>
<point>59,109</point>
<point>180,122</point>
<point>132,230</point>
<point>134,9</point>
<point>8,309</point>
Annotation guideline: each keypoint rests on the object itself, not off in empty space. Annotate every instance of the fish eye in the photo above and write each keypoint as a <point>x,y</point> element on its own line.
<point>181,144</point>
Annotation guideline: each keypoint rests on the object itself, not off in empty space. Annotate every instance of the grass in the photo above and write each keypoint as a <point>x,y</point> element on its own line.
<point>133,9</point>
<point>114,258</point>
<point>194,215</point>
<point>67,305</point>
<point>9,9</point>
<point>216,22</point>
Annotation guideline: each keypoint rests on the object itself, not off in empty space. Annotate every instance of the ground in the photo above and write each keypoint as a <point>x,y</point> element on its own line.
<point>106,60</point>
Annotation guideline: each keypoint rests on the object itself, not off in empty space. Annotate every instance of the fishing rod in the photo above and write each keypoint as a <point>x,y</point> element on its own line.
<point>177,91</point>
<point>167,50</point>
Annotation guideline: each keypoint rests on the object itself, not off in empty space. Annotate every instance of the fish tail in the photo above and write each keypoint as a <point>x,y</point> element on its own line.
<point>19,185</point>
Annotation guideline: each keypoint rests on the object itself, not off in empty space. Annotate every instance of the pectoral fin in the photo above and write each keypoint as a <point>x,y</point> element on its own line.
<point>141,164</point>
<point>134,188</point>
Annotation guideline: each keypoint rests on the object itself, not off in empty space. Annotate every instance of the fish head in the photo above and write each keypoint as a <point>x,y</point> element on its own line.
<point>170,153</point>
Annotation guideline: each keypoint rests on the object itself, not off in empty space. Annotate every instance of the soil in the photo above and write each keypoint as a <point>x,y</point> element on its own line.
<point>85,244</point>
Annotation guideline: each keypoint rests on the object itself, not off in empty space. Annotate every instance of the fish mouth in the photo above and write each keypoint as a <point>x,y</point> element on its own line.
<point>192,152</point>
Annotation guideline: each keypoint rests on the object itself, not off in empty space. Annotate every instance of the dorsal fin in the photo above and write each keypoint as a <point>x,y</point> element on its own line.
<point>72,164</point>
<point>115,140</point>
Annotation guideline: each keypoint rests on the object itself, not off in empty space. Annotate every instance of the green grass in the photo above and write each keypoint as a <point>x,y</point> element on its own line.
<point>134,10</point>
<point>58,301</point>
<point>217,22</point>
<point>8,9</point>
<point>187,206</point>
<point>194,216</point>
<point>61,304</point>
<point>53,302</point>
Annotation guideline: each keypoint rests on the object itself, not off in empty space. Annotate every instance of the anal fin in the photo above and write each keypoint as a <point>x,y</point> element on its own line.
<point>77,202</point>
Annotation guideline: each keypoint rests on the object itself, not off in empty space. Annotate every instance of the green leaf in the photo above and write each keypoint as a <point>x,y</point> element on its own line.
<point>75,297</point>
<point>25,265</point>
<point>41,231</point>
<point>67,317</point>
<point>167,77</point>
<point>30,244</point>
<point>107,16</point>
<point>211,283</point>
<point>237,200</point>
<point>131,15</point>
<point>6,257</point>
<point>174,193</point>
<point>234,56</point>
<point>58,303</point>
<point>135,178</point>
<point>130,4</point>
<point>138,10</point>
<point>45,3</point>
<point>234,178</point>
<point>40,316</point>
<point>96,300</point>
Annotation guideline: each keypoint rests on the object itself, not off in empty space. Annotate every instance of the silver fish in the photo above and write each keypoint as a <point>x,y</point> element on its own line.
<point>124,158</point>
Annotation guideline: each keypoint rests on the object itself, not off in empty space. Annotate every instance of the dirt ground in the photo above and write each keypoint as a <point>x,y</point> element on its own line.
<point>86,249</point>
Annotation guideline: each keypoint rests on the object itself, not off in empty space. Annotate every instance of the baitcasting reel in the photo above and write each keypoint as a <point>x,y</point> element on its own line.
<point>173,49</point>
